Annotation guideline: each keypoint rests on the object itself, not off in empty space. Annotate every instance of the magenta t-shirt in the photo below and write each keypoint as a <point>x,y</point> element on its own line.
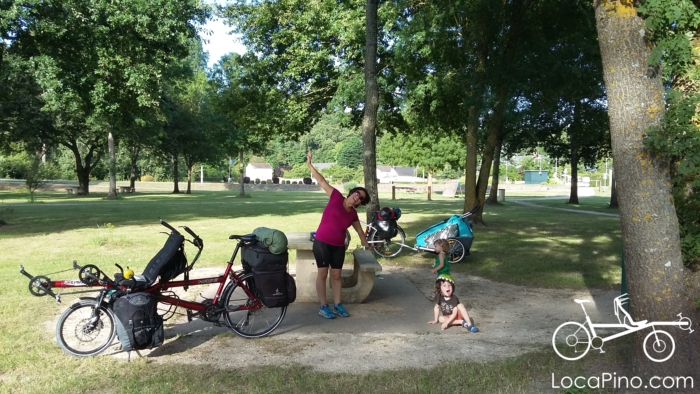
<point>335,221</point>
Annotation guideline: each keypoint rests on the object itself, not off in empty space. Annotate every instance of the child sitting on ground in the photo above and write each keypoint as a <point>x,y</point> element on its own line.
<point>448,310</point>
<point>440,266</point>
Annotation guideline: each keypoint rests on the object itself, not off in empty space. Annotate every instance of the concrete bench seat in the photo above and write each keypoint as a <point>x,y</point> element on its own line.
<point>356,286</point>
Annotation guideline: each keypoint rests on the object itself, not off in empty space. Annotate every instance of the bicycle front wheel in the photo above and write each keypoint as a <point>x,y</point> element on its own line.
<point>571,341</point>
<point>83,331</point>
<point>659,346</point>
<point>247,316</point>
<point>388,247</point>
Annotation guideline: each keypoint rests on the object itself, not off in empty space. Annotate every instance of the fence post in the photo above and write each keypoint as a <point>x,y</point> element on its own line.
<point>393,192</point>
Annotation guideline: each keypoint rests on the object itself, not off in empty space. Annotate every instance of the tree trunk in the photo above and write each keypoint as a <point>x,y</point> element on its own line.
<point>132,173</point>
<point>112,167</point>
<point>574,146</point>
<point>487,157</point>
<point>82,170</point>
<point>189,178</point>
<point>176,175</point>
<point>574,149</point>
<point>83,179</point>
<point>655,272</point>
<point>470,196</point>
<point>430,182</point>
<point>493,195</point>
<point>369,119</point>
<point>241,192</point>
<point>613,192</point>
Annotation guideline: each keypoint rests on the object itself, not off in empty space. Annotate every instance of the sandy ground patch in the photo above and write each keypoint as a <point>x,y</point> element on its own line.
<point>513,320</point>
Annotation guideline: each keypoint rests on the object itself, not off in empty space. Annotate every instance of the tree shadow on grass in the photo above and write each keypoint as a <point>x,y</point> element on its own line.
<point>523,245</point>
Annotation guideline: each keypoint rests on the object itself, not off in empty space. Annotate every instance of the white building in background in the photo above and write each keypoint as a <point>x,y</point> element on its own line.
<point>383,173</point>
<point>262,171</point>
<point>388,174</point>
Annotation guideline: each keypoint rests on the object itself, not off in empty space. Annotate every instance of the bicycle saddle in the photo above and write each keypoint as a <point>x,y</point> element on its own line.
<point>638,323</point>
<point>581,301</point>
<point>244,238</point>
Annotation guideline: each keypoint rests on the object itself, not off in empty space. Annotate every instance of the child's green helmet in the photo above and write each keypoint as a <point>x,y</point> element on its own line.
<point>446,277</point>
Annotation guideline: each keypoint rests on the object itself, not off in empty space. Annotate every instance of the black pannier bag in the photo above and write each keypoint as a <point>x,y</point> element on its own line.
<point>273,285</point>
<point>275,289</point>
<point>257,256</point>
<point>386,229</point>
<point>137,322</point>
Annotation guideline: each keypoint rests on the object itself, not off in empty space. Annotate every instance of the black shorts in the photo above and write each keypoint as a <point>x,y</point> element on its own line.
<point>328,255</point>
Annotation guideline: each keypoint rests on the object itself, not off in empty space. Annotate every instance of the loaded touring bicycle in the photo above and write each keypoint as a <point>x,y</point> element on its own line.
<point>249,309</point>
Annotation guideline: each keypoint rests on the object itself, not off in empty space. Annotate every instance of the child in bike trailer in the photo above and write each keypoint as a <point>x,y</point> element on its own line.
<point>448,310</point>
<point>440,266</point>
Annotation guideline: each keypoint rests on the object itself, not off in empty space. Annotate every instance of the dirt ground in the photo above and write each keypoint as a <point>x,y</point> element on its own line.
<point>512,319</point>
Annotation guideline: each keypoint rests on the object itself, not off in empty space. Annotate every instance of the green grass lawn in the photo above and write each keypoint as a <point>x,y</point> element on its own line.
<point>594,204</point>
<point>522,245</point>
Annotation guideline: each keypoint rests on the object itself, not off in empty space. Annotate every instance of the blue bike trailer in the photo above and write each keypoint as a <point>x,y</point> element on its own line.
<point>462,230</point>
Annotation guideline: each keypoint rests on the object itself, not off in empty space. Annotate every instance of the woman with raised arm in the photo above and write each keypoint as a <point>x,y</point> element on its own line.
<point>329,243</point>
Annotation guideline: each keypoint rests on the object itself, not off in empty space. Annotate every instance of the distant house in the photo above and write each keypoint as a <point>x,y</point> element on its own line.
<point>262,171</point>
<point>383,173</point>
<point>403,173</point>
<point>397,174</point>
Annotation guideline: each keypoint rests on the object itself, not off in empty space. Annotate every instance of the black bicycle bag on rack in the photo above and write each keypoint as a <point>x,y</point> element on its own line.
<point>272,284</point>
<point>386,229</point>
<point>137,322</point>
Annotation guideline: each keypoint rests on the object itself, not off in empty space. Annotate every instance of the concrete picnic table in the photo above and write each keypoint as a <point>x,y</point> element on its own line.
<point>356,287</point>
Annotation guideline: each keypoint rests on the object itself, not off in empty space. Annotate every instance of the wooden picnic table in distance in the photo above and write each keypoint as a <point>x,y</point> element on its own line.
<point>410,189</point>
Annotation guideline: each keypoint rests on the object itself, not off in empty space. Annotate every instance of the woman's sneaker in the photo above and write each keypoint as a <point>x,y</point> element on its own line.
<point>325,311</point>
<point>340,311</point>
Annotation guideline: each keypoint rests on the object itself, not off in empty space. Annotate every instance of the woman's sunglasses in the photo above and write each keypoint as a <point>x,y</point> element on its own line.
<point>360,196</point>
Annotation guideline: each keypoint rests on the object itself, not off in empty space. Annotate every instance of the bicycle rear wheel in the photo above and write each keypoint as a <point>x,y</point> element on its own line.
<point>457,251</point>
<point>571,341</point>
<point>247,316</point>
<point>388,247</point>
<point>83,331</point>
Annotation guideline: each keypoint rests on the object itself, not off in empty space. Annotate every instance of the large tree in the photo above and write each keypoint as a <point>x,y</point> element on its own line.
<point>99,65</point>
<point>246,98</point>
<point>315,51</point>
<point>657,278</point>
<point>371,107</point>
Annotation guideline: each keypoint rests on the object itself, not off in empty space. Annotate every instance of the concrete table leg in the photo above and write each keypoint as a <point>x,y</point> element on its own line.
<point>306,276</point>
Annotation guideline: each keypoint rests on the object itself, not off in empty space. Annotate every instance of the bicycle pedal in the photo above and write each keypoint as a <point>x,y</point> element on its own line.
<point>190,315</point>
